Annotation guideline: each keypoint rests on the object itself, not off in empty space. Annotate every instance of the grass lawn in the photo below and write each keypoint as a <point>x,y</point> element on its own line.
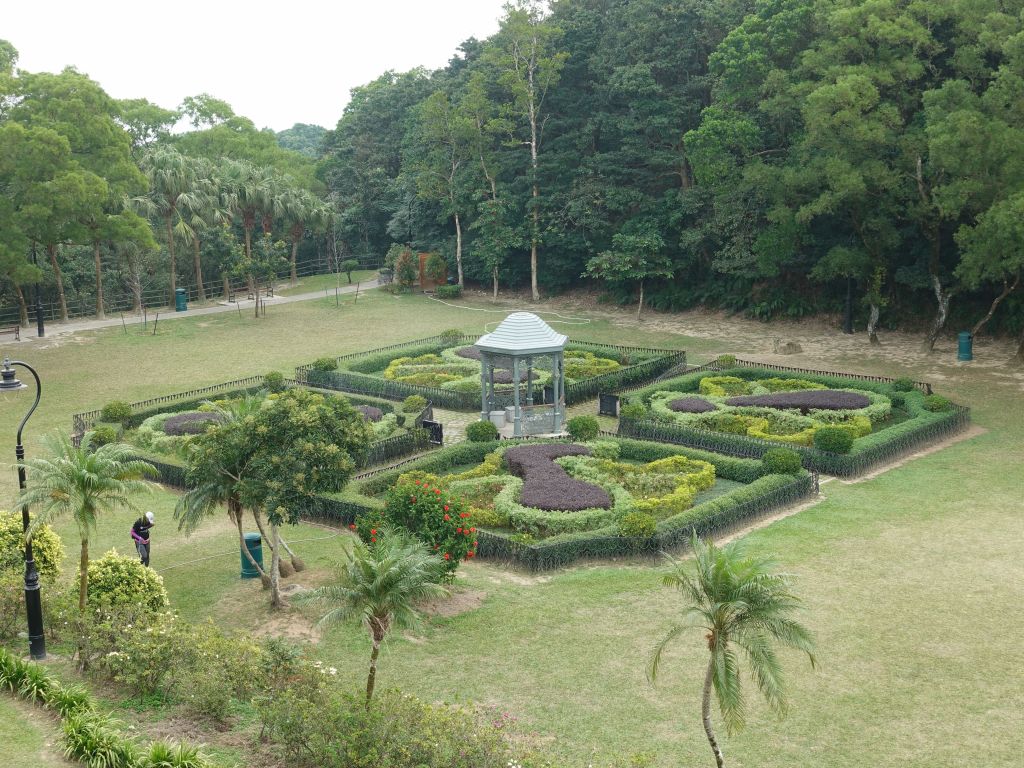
<point>28,736</point>
<point>911,578</point>
<point>329,281</point>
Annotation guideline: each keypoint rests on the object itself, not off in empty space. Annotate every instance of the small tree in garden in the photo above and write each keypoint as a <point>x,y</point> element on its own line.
<point>405,269</point>
<point>348,266</point>
<point>217,462</point>
<point>634,258</point>
<point>436,268</point>
<point>301,445</point>
<point>739,601</point>
<point>381,583</point>
<point>436,517</point>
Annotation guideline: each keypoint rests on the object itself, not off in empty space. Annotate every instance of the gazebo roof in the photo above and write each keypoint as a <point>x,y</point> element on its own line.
<point>522,333</point>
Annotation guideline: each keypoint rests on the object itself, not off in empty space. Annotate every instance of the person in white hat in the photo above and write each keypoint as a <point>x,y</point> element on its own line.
<point>140,535</point>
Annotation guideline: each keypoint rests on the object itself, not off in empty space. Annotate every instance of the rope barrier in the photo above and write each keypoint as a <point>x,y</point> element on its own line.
<point>567,320</point>
<point>235,552</point>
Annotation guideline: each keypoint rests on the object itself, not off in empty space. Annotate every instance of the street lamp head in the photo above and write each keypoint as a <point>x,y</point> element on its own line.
<point>9,383</point>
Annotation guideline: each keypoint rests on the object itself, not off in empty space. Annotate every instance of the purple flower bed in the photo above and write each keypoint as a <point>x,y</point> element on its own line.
<point>805,400</point>
<point>505,377</point>
<point>370,413</point>
<point>191,423</point>
<point>691,405</point>
<point>470,353</point>
<point>547,486</point>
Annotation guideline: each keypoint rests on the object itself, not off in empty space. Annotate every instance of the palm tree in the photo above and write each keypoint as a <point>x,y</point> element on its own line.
<point>738,600</point>
<point>302,210</point>
<point>85,484</point>
<point>380,583</point>
<point>171,183</point>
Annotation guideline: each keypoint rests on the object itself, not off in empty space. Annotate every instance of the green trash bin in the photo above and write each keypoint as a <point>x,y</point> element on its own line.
<point>254,543</point>
<point>180,300</point>
<point>965,349</point>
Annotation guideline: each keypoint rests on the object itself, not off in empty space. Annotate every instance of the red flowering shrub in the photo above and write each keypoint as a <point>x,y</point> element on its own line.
<point>433,515</point>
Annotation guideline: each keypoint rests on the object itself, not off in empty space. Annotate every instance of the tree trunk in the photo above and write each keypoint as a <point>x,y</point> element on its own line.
<point>295,254</point>
<point>640,306</point>
<point>494,277</point>
<point>275,571</point>
<point>235,511</point>
<point>198,267</point>
<point>705,714</point>
<point>942,298</point>
<point>371,679</point>
<point>534,292</point>
<point>297,564</point>
<point>256,289</point>
<point>458,249</point>
<point>22,306</point>
<point>1008,288</point>
<point>100,314</point>
<point>52,251</point>
<point>873,324</point>
<point>170,253</point>
<point>83,575</point>
<point>248,241</point>
<point>227,287</point>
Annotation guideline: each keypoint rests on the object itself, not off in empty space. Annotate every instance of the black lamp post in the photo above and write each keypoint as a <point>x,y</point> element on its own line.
<point>33,603</point>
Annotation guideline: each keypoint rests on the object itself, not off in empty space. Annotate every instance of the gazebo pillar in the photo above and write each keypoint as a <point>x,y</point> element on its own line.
<point>529,381</point>
<point>485,411</point>
<point>558,385</point>
<point>517,428</point>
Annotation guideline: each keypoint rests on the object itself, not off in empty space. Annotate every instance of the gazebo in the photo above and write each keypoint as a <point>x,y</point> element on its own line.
<point>522,340</point>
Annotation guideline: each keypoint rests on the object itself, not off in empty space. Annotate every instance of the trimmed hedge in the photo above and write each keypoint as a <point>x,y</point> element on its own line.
<point>868,451</point>
<point>762,494</point>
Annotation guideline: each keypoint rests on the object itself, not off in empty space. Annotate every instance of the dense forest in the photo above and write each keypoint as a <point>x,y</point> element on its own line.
<point>776,157</point>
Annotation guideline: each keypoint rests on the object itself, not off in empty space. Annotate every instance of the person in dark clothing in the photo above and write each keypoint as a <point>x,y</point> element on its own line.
<point>140,535</point>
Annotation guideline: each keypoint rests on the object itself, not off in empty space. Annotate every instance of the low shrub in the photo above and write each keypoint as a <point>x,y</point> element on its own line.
<point>691,405</point>
<point>116,411</point>
<point>583,428</point>
<point>937,403</point>
<point>118,581</point>
<point>435,516</point>
<point>724,386</point>
<point>481,432</point>
<point>102,434</point>
<point>47,548</point>
<point>634,411</point>
<point>788,385</point>
<point>370,413</point>
<point>781,461</point>
<point>325,364</point>
<point>638,525</point>
<point>546,485</point>
<point>604,449</point>
<point>450,335</point>
<point>449,291</point>
<point>274,381</point>
<point>904,384</point>
<point>190,423</point>
<point>726,361</point>
<point>414,403</point>
<point>805,400</point>
<point>833,439</point>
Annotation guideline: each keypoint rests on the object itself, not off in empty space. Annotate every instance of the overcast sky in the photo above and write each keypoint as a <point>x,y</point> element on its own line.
<point>281,63</point>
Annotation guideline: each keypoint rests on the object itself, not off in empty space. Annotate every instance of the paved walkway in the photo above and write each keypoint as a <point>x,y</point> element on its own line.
<point>75,326</point>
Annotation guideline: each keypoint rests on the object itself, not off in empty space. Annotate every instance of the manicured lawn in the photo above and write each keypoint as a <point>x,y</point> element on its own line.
<point>28,736</point>
<point>911,578</point>
<point>328,281</point>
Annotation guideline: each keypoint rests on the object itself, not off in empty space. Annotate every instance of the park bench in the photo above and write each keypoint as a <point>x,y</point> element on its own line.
<point>15,329</point>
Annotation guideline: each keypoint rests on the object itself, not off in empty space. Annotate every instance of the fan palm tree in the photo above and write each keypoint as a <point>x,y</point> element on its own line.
<point>302,210</point>
<point>85,484</point>
<point>739,601</point>
<point>172,183</point>
<point>380,584</point>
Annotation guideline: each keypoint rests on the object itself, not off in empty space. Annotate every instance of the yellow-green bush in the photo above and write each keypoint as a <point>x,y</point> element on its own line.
<point>724,386</point>
<point>47,549</point>
<point>119,581</point>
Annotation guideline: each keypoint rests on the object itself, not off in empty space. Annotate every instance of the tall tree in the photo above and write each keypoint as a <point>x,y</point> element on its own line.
<point>738,601</point>
<point>381,584</point>
<point>634,258</point>
<point>526,54</point>
<point>172,183</point>
<point>445,143</point>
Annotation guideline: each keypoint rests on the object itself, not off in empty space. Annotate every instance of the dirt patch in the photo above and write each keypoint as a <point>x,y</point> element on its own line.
<point>460,600</point>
